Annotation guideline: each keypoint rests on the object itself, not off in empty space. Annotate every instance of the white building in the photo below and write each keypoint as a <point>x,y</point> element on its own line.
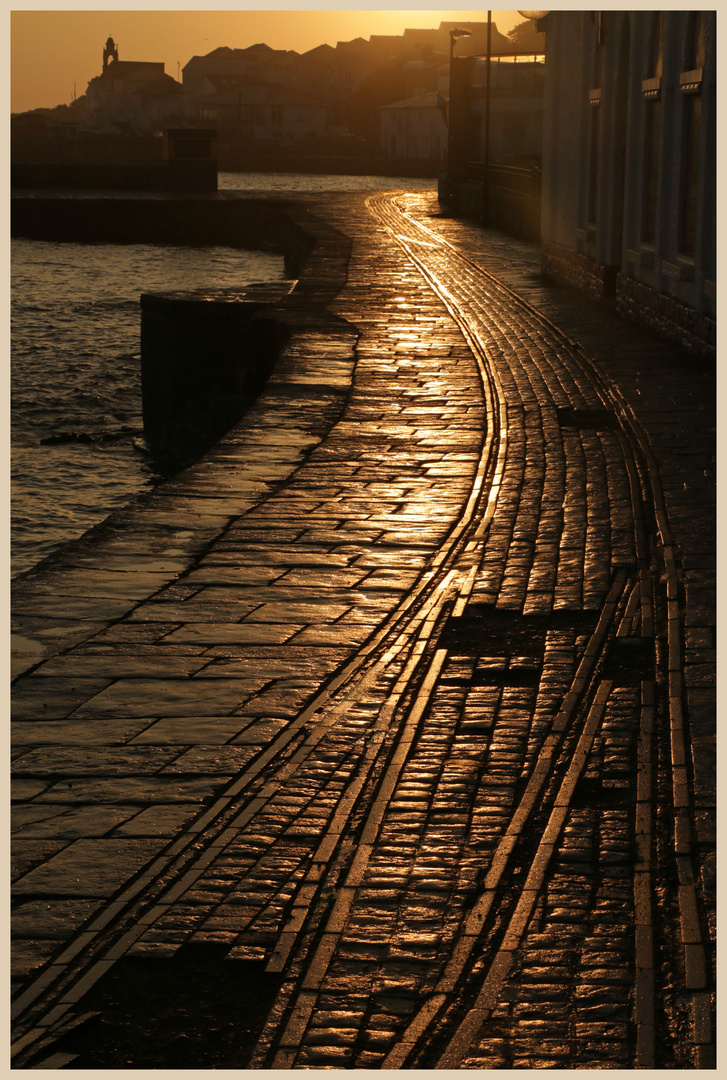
<point>415,128</point>
<point>629,145</point>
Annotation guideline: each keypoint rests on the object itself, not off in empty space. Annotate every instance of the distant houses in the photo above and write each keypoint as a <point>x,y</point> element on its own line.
<point>132,92</point>
<point>258,63</point>
<point>385,91</point>
<point>261,111</point>
<point>356,89</point>
<point>415,128</point>
<point>384,98</point>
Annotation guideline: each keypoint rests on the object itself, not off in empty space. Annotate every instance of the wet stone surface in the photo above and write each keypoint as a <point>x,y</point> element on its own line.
<point>360,743</point>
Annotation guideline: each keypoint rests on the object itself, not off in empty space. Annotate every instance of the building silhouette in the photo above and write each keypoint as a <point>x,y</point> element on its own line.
<point>132,93</point>
<point>496,125</point>
<point>415,128</point>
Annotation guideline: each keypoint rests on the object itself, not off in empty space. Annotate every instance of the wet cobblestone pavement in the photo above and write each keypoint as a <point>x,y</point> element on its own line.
<point>397,710</point>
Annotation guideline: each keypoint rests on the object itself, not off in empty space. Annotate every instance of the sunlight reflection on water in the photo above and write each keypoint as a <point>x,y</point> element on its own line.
<point>269,182</point>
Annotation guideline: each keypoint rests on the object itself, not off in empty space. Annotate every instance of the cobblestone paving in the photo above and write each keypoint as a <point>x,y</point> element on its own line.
<point>411,711</point>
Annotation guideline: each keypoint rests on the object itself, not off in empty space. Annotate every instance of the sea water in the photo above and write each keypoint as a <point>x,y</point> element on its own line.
<point>77,448</point>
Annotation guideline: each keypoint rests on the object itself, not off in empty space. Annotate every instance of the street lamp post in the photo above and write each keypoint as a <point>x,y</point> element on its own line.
<point>534,16</point>
<point>454,35</point>
<point>486,175</point>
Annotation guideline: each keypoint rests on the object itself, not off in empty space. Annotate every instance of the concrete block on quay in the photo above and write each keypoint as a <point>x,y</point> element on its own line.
<point>205,356</point>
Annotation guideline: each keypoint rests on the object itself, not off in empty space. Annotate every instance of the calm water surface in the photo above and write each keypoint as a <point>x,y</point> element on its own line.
<point>76,430</point>
<point>266,182</point>
<point>77,446</point>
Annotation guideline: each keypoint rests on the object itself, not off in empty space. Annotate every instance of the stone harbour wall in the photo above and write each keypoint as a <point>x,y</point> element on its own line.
<point>164,176</point>
<point>206,355</point>
<point>254,223</point>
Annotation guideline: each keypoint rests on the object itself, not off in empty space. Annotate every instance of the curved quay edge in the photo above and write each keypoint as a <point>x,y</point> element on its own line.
<point>305,314</point>
<point>304,394</point>
<point>632,618</point>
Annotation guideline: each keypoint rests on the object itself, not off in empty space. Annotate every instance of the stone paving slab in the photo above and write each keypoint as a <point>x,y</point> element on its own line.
<point>674,397</point>
<point>271,566</point>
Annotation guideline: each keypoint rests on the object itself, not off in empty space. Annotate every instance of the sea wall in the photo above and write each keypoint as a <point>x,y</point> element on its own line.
<point>205,355</point>
<point>256,224</point>
<point>164,176</point>
<point>318,164</point>
<point>166,529</point>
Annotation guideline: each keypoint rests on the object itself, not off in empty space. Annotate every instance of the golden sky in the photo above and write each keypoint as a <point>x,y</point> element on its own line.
<point>53,50</point>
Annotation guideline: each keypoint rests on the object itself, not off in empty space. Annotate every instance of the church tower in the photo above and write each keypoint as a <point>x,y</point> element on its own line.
<point>110,52</point>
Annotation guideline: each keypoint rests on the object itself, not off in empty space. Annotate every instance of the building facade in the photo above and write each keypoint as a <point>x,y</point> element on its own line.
<point>262,111</point>
<point>496,124</point>
<point>415,129</point>
<point>132,93</point>
<point>629,164</point>
<point>257,63</point>
<point>516,107</point>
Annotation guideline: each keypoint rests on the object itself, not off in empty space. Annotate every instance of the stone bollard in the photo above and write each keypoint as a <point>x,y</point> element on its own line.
<point>205,356</point>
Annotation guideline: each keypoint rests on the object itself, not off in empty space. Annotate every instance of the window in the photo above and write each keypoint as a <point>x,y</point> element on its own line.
<point>594,163</point>
<point>651,172</point>
<point>693,107</point>
<point>695,40</point>
<point>691,86</point>
<point>651,89</point>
